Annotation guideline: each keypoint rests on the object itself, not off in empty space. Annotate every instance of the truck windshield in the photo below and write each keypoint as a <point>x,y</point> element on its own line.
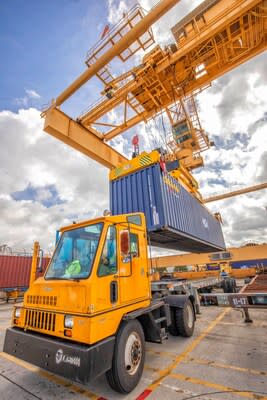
<point>75,253</point>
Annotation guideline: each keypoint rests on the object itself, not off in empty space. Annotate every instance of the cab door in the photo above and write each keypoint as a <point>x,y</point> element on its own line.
<point>106,287</point>
<point>134,283</point>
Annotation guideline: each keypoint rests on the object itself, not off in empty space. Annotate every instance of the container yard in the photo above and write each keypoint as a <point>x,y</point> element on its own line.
<point>222,356</point>
<point>101,318</point>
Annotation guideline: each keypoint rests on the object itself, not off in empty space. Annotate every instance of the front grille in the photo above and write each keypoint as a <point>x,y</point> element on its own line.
<point>40,320</point>
<point>44,300</point>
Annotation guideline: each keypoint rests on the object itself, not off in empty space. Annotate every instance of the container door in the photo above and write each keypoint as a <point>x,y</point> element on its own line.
<point>133,274</point>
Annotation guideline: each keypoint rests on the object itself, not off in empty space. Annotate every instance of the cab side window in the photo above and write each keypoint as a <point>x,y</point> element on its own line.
<point>108,259</point>
<point>134,246</point>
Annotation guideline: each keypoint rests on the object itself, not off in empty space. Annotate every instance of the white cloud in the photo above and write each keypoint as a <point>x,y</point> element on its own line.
<point>30,156</point>
<point>231,111</point>
<point>32,94</point>
<point>29,99</point>
<point>161,29</point>
<point>116,10</point>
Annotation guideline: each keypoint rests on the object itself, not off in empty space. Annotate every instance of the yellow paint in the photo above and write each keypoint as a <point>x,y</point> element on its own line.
<point>217,386</point>
<point>51,377</point>
<point>160,353</point>
<point>167,68</point>
<point>82,139</point>
<point>180,174</point>
<point>181,357</point>
<point>226,366</point>
<point>35,254</point>
<point>169,182</point>
<point>88,302</point>
<point>255,323</point>
<point>237,254</point>
<point>198,262</point>
<point>135,164</point>
<point>119,47</point>
<point>235,193</point>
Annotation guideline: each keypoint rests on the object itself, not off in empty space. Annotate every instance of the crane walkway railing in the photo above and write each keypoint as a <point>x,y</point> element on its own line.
<point>115,34</point>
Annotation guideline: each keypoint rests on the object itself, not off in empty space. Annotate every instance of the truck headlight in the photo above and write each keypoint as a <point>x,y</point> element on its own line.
<point>17,312</point>
<point>68,321</point>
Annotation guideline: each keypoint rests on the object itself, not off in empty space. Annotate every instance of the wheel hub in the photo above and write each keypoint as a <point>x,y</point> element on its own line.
<point>190,316</point>
<point>136,353</point>
<point>133,353</point>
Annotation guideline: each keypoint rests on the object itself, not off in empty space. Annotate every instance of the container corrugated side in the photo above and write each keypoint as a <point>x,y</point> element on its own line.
<point>15,271</point>
<point>175,218</point>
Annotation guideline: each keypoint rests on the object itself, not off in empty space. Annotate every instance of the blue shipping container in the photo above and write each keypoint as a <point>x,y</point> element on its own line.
<point>262,262</point>
<point>213,267</point>
<point>175,219</point>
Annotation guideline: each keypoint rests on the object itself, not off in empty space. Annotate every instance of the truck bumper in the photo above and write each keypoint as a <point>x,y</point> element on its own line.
<point>77,362</point>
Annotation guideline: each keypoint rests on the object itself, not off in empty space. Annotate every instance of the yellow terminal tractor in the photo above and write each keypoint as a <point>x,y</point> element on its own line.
<point>94,308</point>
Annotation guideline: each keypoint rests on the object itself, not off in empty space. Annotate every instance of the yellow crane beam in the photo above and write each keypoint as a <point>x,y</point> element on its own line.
<point>235,193</point>
<point>73,134</point>
<point>232,33</point>
<point>210,41</point>
<point>124,43</point>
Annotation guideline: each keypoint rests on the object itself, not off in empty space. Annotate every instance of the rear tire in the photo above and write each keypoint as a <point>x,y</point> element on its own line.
<point>224,286</point>
<point>173,327</point>
<point>233,285</point>
<point>129,357</point>
<point>229,285</point>
<point>183,320</point>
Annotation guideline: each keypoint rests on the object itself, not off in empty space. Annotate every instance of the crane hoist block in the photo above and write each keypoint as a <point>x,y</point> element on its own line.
<point>175,218</point>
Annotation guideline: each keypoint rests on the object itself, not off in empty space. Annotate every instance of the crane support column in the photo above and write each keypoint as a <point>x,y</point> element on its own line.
<point>73,134</point>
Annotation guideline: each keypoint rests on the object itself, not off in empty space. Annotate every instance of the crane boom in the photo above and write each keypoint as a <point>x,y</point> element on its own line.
<point>231,35</point>
<point>235,193</point>
<point>141,27</point>
<point>213,39</point>
<point>68,131</point>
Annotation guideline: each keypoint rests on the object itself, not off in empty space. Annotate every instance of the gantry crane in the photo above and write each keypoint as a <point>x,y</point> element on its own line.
<point>216,37</point>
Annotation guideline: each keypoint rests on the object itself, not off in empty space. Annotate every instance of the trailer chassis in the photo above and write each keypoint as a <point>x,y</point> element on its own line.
<point>252,295</point>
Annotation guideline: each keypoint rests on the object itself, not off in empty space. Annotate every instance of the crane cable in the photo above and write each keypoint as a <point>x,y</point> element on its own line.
<point>164,130</point>
<point>148,134</point>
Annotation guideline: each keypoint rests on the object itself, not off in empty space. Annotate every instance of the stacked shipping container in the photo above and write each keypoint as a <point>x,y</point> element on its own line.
<point>15,271</point>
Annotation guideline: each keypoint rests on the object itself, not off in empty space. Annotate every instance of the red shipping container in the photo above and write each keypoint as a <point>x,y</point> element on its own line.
<point>15,271</point>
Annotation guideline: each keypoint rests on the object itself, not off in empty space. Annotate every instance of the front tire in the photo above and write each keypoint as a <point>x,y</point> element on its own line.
<point>129,357</point>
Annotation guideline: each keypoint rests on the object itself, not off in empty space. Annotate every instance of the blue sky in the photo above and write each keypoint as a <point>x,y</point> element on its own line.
<point>43,45</point>
<point>47,195</point>
<point>44,184</point>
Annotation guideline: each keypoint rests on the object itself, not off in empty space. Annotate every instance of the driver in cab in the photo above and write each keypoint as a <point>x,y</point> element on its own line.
<point>74,268</point>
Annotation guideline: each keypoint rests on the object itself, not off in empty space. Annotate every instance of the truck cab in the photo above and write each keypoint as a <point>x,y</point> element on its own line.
<point>93,309</point>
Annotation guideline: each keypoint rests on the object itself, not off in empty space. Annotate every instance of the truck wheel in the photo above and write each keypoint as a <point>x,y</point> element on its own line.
<point>224,286</point>
<point>183,320</point>
<point>229,285</point>
<point>233,285</point>
<point>173,327</point>
<point>129,357</point>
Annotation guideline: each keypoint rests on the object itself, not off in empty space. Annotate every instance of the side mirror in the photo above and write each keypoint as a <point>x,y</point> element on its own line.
<point>125,242</point>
